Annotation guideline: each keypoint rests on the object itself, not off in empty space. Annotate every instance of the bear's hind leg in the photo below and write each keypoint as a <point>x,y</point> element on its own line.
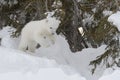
<point>32,46</point>
<point>23,45</point>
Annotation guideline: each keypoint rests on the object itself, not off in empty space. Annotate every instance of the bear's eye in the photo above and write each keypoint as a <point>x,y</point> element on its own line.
<point>50,27</point>
<point>44,37</point>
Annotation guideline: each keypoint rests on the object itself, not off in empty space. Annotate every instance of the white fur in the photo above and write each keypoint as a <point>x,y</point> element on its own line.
<point>38,32</point>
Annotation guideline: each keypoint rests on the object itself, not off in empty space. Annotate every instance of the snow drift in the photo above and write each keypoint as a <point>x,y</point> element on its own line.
<point>16,65</point>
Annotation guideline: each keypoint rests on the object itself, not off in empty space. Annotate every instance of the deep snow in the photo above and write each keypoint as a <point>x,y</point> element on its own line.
<point>58,57</point>
<point>113,76</point>
<point>54,63</point>
<point>17,65</point>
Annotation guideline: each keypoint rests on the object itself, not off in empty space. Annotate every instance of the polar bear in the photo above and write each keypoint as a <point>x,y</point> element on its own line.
<point>38,32</point>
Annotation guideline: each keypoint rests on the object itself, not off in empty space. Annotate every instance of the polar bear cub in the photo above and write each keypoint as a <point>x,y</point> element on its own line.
<point>37,32</point>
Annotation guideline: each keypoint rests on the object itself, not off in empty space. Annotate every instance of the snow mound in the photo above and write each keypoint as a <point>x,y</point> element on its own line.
<point>17,65</point>
<point>115,19</point>
<point>114,76</point>
<point>55,56</point>
<point>43,74</point>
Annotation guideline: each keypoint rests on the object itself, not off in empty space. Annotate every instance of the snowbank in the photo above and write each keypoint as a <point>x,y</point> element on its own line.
<point>59,53</point>
<point>115,19</point>
<point>42,74</point>
<point>16,65</point>
<point>114,76</point>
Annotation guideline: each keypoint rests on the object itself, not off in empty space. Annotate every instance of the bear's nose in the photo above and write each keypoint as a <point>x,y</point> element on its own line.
<point>44,37</point>
<point>50,27</point>
<point>53,33</point>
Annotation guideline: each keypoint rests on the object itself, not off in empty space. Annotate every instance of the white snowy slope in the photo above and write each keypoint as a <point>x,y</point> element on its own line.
<point>59,52</point>
<point>113,76</point>
<point>17,65</point>
<point>80,60</point>
<point>115,19</point>
<point>107,13</point>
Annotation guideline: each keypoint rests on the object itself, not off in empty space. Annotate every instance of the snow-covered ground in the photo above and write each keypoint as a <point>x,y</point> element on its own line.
<point>17,65</point>
<point>54,63</point>
<point>56,60</point>
<point>114,76</point>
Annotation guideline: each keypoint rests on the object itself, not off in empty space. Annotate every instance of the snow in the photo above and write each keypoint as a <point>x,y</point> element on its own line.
<point>54,63</point>
<point>44,74</point>
<point>114,76</point>
<point>56,60</point>
<point>115,19</point>
<point>4,2</point>
<point>107,13</point>
<point>7,41</point>
<point>17,65</point>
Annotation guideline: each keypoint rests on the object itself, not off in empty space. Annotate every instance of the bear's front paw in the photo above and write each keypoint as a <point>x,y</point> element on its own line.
<point>53,42</point>
<point>45,46</point>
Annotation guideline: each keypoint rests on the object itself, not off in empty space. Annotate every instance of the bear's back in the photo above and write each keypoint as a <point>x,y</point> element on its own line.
<point>36,26</point>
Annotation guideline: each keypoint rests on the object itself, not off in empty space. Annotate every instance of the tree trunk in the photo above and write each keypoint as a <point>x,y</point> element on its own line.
<point>70,24</point>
